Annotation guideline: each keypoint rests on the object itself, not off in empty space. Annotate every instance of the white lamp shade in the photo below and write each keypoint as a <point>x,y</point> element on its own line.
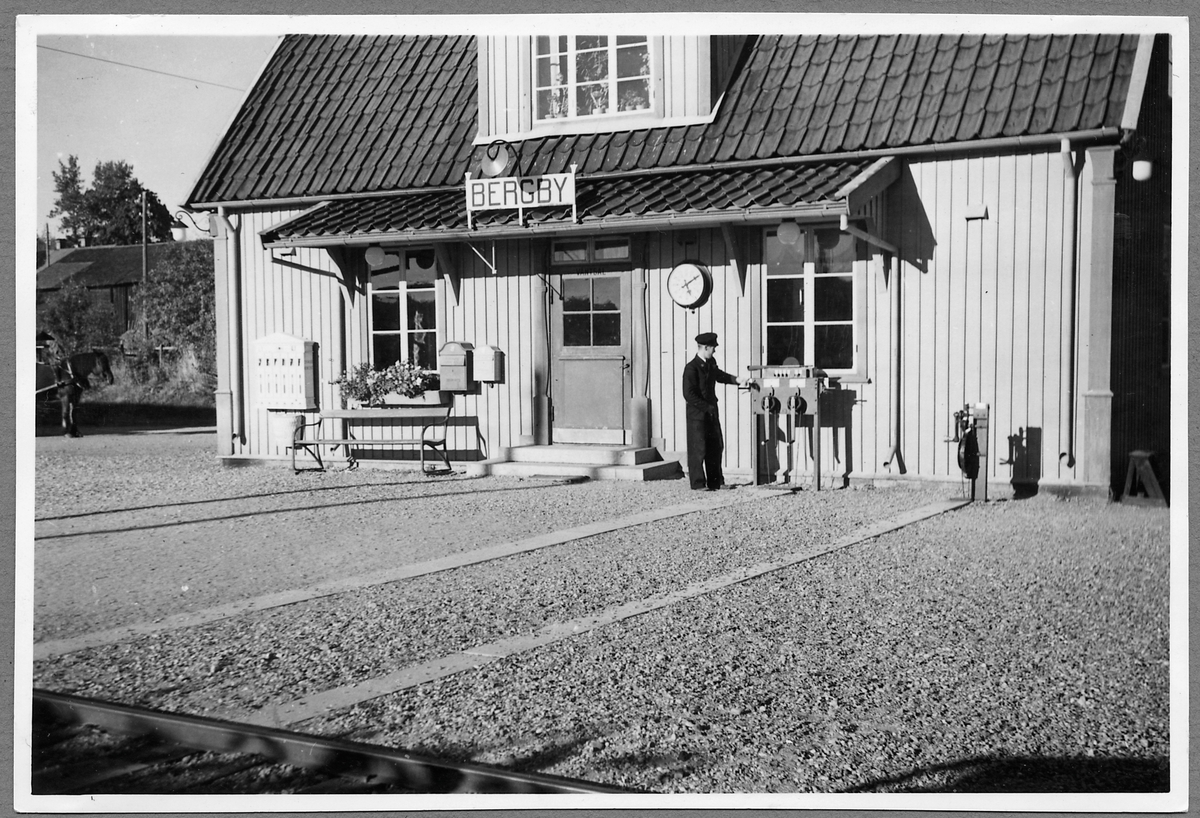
<point>1142,169</point>
<point>375,256</point>
<point>494,166</point>
<point>788,233</point>
<point>179,232</point>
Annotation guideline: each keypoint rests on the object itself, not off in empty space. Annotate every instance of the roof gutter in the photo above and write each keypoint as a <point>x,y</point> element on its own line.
<point>764,215</point>
<point>1048,141</point>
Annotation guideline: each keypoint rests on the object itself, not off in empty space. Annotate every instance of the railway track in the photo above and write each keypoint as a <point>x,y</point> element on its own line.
<point>85,746</point>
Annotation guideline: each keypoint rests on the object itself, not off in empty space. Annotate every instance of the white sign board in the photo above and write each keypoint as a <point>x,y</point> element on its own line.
<point>521,192</point>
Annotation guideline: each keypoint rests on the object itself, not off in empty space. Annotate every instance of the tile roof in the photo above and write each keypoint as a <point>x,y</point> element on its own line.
<point>336,115</point>
<point>106,266</point>
<point>609,200</point>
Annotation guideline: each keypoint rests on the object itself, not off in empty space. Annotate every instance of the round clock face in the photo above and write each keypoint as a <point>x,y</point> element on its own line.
<point>689,285</point>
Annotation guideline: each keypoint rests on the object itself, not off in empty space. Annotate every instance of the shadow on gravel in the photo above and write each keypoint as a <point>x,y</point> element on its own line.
<point>94,417</point>
<point>538,760</point>
<point>1008,775</point>
<point>321,507</point>
<point>180,504</point>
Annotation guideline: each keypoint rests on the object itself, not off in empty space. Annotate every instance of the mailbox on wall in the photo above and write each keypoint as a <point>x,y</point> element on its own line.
<point>284,373</point>
<point>489,364</point>
<point>454,366</point>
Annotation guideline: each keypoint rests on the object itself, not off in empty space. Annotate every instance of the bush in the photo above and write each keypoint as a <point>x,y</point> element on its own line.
<point>143,382</point>
<point>178,304</point>
<point>76,321</point>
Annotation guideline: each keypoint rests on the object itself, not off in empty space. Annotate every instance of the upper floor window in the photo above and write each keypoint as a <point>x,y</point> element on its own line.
<point>814,300</point>
<point>581,76</point>
<point>404,311</point>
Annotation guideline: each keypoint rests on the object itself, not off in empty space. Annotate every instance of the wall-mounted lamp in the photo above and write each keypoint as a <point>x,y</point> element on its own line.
<point>1141,161</point>
<point>376,256</point>
<point>179,229</point>
<point>497,157</point>
<point>1143,166</point>
<point>788,232</point>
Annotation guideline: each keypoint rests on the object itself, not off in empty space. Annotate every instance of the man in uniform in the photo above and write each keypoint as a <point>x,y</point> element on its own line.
<point>705,443</point>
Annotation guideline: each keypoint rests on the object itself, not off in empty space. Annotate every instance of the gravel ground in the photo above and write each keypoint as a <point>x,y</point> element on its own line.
<point>312,646</point>
<point>1013,646</point>
<point>106,502</point>
<point>929,660</point>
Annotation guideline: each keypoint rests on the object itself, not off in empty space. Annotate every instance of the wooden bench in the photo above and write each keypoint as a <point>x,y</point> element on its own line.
<point>433,419</point>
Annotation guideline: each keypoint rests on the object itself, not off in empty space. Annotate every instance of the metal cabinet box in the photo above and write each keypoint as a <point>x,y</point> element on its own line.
<point>488,364</point>
<point>454,366</point>
<point>283,371</point>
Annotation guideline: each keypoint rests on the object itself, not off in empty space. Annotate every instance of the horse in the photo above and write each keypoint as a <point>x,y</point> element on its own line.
<point>71,376</point>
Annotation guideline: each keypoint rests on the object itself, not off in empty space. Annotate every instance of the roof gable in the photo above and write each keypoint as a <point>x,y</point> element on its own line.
<point>348,115</point>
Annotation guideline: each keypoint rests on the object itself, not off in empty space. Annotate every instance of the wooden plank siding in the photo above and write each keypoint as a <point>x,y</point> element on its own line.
<point>980,324</point>
<point>682,79</point>
<point>284,298</point>
<point>495,309</point>
<point>672,339</point>
<point>981,308</point>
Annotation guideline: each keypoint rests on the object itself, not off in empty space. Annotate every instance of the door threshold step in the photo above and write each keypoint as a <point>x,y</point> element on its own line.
<point>656,470</point>
<point>584,453</point>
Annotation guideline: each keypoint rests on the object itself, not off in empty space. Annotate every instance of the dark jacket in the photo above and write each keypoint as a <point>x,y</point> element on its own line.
<point>699,380</point>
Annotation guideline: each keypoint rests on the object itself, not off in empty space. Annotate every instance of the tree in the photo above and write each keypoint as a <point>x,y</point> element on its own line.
<point>110,212</point>
<point>70,204</point>
<point>76,321</point>
<point>177,301</point>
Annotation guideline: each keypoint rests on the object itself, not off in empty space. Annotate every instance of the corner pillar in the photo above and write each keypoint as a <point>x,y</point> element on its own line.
<point>540,321</point>
<point>1095,319</point>
<point>222,310</point>
<point>639,403</point>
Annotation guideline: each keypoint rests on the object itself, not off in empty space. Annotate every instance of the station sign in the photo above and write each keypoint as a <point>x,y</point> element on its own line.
<point>520,193</point>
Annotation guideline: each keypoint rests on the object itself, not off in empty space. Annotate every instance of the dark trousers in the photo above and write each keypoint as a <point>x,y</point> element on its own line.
<point>705,446</point>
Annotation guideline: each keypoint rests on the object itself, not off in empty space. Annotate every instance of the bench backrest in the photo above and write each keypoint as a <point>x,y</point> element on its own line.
<point>432,413</point>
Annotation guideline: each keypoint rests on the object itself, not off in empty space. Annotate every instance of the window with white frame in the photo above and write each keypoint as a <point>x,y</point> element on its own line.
<point>590,250</point>
<point>582,76</point>
<point>813,299</point>
<point>404,310</point>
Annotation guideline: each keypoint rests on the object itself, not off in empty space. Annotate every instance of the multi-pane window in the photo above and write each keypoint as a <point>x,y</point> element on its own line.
<point>809,309</point>
<point>591,307</point>
<point>577,76</point>
<point>404,311</point>
<point>582,251</point>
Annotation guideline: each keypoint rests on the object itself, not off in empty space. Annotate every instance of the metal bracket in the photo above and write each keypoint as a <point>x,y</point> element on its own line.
<point>491,265</point>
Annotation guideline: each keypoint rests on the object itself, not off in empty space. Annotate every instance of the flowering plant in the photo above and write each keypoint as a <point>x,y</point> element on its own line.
<point>368,386</point>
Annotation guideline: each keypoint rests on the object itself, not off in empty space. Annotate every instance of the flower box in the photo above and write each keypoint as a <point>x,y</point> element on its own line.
<point>364,386</point>
<point>434,397</point>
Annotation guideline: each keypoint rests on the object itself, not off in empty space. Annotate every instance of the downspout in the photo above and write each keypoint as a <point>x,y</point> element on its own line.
<point>894,296</point>
<point>235,299</point>
<point>639,414</point>
<point>1067,341</point>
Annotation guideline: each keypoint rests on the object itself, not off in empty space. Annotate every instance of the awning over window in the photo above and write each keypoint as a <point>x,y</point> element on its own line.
<point>760,194</point>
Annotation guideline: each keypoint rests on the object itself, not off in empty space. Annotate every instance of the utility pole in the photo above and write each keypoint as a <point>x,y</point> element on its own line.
<point>145,264</point>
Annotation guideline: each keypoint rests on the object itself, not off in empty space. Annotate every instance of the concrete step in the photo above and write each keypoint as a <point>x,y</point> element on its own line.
<point>592,455</point>
<point>657,470</point>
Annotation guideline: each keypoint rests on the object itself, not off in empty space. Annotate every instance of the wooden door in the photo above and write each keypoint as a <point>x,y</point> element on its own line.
<point>592,366</point>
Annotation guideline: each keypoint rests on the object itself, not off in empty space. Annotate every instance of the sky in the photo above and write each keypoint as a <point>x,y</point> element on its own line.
<point>158,102</point>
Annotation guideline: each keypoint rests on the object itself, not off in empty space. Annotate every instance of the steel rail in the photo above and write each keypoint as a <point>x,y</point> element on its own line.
<point>383,765</point>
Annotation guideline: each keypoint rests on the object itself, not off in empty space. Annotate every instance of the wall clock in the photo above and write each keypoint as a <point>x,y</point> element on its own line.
<point>689,284</point>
